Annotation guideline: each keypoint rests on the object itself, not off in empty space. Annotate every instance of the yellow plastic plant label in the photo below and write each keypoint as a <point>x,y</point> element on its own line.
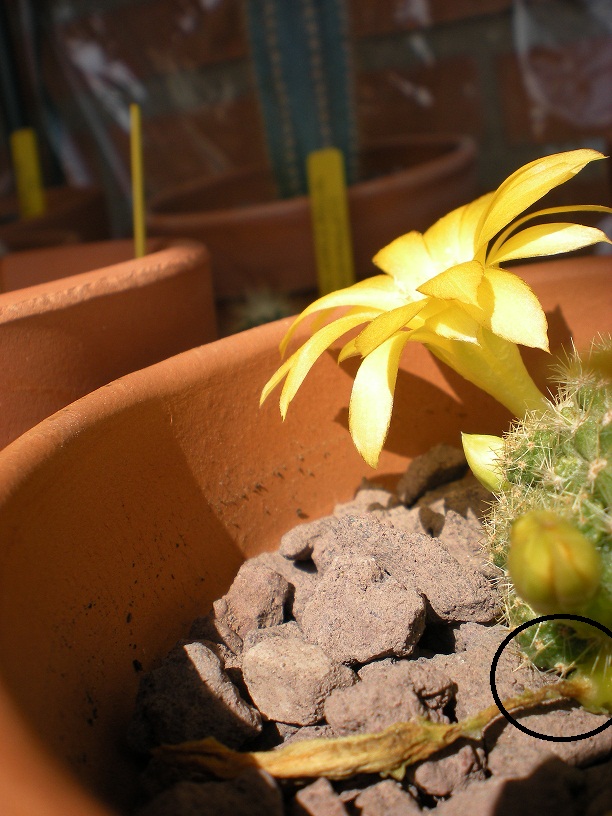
<point>138,197</point>
<point>28,176</point>
<point>330,219</point>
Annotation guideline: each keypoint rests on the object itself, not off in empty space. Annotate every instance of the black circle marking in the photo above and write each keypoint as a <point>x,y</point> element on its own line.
<point>498,653</point>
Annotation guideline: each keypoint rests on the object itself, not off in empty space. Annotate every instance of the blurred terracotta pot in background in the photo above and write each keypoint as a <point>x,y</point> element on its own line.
<point>73,318</point>
<point>72,214</point>
<point>259,241</point>
<point>124,515</point>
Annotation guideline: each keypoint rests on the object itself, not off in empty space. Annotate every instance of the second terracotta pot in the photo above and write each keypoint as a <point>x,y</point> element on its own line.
<point>73,318</point>
<point>72,214</point>
<point>259,241</point>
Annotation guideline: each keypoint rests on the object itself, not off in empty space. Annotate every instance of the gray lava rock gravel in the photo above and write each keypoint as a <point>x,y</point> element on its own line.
<point>379,613</point>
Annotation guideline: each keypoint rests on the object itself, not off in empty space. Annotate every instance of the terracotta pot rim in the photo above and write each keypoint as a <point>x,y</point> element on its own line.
<point>61,198</point>
<point>463,151</point>
<point>38,237</point>
<point>158,264</point>
<point>179,372</point>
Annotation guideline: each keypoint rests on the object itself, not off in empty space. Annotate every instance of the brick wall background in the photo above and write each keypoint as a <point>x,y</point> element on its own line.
<point>524,78</point>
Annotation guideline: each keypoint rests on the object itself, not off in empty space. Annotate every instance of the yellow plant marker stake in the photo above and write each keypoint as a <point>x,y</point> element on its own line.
<point>138,203</point>
<point>330,219</point>
<point>28,176</point>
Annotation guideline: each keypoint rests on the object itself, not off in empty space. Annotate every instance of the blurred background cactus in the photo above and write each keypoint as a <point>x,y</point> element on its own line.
<point>550,528</point>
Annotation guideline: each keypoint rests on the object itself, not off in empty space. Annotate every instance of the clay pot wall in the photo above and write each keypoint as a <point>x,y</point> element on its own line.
<point>73,318</point>
<point>72,214</point>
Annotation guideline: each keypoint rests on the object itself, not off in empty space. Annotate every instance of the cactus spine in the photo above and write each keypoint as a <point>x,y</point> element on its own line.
<point>550,528</point>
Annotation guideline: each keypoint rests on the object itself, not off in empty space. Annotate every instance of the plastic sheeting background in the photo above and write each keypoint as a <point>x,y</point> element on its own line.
<point>565,55</point>
<point>524,78</point>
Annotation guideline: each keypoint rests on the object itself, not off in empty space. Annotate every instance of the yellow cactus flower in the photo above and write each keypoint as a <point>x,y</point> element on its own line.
<point>445,288</point>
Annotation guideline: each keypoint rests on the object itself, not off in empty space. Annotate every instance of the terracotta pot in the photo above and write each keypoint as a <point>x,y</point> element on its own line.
<point>21,239</point>
<point>257,240</point>
<point>76,317</point>
<point>72,214</point>
<point>126,513</point>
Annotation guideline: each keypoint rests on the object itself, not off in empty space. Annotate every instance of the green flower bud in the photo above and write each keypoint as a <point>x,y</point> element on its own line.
<point>552,565</point>
<point>482,453</point>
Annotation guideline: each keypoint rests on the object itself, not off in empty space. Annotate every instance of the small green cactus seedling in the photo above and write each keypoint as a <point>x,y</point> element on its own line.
<point>550,528</point>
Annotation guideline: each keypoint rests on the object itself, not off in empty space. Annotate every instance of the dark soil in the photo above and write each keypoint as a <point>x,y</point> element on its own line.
<point>383,611</point>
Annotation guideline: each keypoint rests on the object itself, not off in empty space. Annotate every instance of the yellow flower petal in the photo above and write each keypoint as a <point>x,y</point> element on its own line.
<point>329,335</point>
<point>471,219</point>
<point>503,236</point>
<point>275,379</point>
<point>454,324</point>
<point>407,260</point>
<point>378,292</point>
<point>453,238</point>
<point>460,283</point>
<point>385,325</point>
<point>510,309</point>
<point>528,184</point>
<point>305,357</point>
<point>483,453</point>
<point>495,366</point>
<point>348,350</point>
<point>547,239</point>
<point>372,397</point>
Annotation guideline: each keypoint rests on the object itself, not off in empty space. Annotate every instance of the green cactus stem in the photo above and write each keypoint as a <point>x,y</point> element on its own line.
<point>550,528</point>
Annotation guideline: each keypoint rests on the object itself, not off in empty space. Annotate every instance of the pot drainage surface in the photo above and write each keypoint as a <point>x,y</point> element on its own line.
<point>382,612</point>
